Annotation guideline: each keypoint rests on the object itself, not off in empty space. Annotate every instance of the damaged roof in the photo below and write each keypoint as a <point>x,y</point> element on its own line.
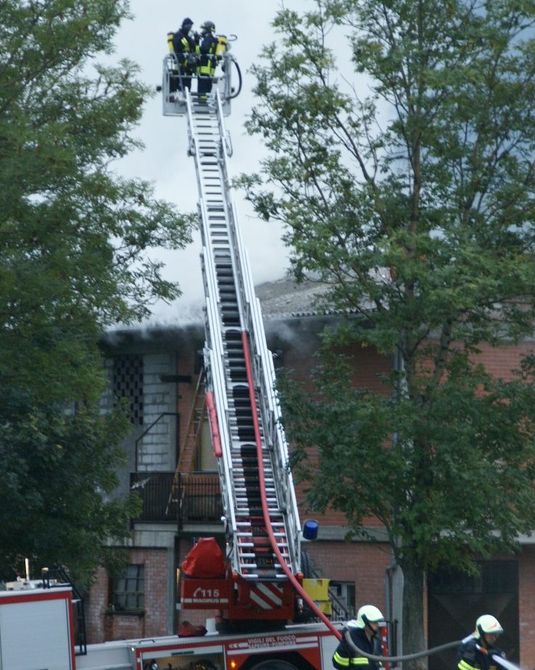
<point>285,298</point>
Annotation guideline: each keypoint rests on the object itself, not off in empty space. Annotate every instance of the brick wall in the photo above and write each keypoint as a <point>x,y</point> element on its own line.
<point>362,563</point>
<point>95,606</point>
<point>102,625</point>
<point>358,562</point>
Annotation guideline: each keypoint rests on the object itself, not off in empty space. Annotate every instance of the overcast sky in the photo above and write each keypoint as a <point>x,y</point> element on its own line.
<point>164,161</point>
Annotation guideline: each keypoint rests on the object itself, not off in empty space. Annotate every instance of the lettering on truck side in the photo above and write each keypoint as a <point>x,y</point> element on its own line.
<point>267,641</point>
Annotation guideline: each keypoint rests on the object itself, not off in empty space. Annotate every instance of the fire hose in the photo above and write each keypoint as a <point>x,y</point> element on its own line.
<point>406,657</point>
<point>426,652</point>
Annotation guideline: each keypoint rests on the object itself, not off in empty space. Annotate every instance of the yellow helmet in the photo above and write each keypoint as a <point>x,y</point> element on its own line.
<point>488,625</point>
<point>368,614</point>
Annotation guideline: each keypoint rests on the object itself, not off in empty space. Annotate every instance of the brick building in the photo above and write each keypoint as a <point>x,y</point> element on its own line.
<point>157,372</point>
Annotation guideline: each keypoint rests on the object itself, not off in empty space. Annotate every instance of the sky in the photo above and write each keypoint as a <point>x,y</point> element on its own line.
<point>164,161</point>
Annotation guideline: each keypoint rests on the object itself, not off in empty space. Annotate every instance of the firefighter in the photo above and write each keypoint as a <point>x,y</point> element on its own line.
<point>477,651</point>
<point>364,633</point>
<point>184,45</point>
<point>210,54</point>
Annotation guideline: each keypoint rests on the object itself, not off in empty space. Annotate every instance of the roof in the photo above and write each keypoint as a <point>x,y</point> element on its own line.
<point>285,298</point>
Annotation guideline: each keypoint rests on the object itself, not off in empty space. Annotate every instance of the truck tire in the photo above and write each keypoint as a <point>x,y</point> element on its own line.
<point>274,664</point>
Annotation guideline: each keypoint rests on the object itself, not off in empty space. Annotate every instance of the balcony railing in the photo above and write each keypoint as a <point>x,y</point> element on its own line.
<point>195,498</point>
<point>200,498</point>
<point>155,490</point>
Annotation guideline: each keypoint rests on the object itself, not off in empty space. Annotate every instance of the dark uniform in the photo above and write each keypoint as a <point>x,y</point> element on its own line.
<point>344,656</point>
<point>208,61</point>
<point>185,48</point>
<point>473,655</point>
<point>211,49</point>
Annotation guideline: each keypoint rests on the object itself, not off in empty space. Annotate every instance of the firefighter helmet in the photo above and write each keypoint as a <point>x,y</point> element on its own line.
<point>187,22</point>
<point>488,625</point>
<point>208,27</point>
<point>368,614</point>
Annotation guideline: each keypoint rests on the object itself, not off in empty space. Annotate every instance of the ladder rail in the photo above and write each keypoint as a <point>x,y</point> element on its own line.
<point>214,353</point>
<point>258,496</point>
<point>264,371</point>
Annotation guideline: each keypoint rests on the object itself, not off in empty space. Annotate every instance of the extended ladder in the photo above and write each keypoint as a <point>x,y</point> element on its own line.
<point>257,487</point>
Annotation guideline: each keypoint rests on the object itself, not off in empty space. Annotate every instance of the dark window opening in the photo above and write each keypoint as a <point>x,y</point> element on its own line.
<point>344,592</point>
<point>128,590</point>
<point>128,385</point>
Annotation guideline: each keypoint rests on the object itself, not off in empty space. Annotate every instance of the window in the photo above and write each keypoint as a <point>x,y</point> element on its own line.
<point>344,593</point>
<point>128,590</point>
<point>128,385</point>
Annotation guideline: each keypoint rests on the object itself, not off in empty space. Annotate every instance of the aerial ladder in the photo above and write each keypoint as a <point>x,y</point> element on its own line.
<point>261,518</point>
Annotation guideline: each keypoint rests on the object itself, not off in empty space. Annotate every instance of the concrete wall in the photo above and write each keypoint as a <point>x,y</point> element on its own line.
<point>157,448</point>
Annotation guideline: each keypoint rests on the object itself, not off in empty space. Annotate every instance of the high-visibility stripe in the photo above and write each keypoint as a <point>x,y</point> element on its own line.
<point>360,660</point>
<point>341,660</point>
<point>463,665</point>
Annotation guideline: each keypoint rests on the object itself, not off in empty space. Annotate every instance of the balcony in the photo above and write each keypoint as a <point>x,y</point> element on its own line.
<point>195,497</point>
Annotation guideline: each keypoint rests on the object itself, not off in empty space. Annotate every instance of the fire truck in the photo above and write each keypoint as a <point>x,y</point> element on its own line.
<point>255,580</point>
<point>38,631</point>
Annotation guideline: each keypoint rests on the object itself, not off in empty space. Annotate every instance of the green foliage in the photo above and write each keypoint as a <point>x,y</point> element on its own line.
<point>58,480</point>
<point>74,238</point>
<point>456,480</point>
<point>401,138</point>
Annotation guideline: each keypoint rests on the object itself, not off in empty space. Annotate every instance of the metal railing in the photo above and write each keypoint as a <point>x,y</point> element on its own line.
<point>196,498</point>
<point>154,488</point>
<point>200,498</point>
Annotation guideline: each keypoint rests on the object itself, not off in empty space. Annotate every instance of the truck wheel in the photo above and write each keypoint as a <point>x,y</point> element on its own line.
<point>274,664</point>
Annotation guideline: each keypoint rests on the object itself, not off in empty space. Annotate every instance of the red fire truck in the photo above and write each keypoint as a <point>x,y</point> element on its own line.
<point>37,631</point>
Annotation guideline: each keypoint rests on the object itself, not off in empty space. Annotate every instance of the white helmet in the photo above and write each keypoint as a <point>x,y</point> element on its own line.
<point>367,614</point>
<point>488,625</point>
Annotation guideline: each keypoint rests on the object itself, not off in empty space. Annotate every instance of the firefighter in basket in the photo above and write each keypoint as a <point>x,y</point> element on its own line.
<point>184,44</point>
<point>211,50</point>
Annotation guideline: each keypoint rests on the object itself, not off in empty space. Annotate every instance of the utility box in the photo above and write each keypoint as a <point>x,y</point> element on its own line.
<point>318,590</point>
<point>36,630</point>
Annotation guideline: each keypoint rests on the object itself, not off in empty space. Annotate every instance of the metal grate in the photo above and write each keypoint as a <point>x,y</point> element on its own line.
<point>128,385</point>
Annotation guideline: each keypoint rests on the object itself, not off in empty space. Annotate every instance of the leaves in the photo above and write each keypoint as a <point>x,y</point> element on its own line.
<point>74,243</point>
<point>401,140</point>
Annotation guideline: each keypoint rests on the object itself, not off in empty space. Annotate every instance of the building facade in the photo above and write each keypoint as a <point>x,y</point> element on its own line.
<point>168,461</point>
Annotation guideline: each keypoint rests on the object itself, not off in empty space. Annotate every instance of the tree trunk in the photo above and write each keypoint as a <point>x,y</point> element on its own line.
<point>413,616</point>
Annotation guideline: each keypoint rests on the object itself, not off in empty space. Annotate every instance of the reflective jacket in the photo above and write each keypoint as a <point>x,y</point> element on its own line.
<point>183,45</point>
<point>208,48</point>
<point>346,658</point>
<point>472,655</point>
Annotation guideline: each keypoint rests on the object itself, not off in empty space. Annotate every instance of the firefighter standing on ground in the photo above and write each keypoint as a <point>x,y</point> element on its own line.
<point>477,651</point>
<point>211,49</point>
<point>184,45</point>
<point>364,633</point>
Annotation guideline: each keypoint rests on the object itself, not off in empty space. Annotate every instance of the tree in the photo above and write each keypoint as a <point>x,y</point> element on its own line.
<point>404,178</point>
<point>73,237</point>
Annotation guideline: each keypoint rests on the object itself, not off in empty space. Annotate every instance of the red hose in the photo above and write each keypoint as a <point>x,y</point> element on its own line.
<point>267,521</point>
